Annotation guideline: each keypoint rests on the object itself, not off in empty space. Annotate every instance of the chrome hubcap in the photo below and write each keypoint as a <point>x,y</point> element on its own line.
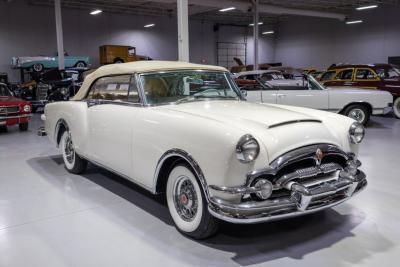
<point>185,198</point>
<point>357,114</point>
<point>69,149</point>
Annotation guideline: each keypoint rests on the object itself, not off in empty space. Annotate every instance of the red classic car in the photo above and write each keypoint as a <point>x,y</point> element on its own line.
<point>13,110</point>
<point>368,76</point>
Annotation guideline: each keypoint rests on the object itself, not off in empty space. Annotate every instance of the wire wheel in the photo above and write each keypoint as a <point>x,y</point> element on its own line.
<point>357,114</point>
<point>185,198</point>
<point>69,150</point>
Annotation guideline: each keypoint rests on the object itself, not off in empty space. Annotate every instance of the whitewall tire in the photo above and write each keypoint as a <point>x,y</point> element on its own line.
<point>360,113</point>
<point>396,107</point>
<point>187,204</point>
<point>72,161</point>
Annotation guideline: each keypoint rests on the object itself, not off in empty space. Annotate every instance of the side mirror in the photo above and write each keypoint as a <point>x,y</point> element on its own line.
<point>243,92</point>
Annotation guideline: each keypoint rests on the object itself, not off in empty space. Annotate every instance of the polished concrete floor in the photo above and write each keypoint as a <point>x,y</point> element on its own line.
<point>49,217</point>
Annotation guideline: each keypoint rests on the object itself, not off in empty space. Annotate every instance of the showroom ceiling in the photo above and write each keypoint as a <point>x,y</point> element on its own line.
<point>204,10</point>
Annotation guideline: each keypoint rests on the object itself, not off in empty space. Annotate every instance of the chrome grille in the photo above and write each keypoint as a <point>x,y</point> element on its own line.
<point>5,111</point>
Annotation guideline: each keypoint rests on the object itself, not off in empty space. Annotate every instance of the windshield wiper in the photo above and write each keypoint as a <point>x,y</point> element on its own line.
<point>195,97</point>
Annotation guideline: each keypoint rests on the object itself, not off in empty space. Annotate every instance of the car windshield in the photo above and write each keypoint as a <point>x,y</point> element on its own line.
<point>186,86</point>
<point>388,73</point>
<point>4,91</point>
<point>272,76</point>
<point>313,84</point>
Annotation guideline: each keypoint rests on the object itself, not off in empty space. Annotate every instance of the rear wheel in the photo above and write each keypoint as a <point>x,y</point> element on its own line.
<point>73,162</point>
<point>396,107</point>
<point>38,67</point>
<point>187,204</point>
<point>80,64</point>
<point>118,61</point>
<point>359,113</point>
<point>23,127</point>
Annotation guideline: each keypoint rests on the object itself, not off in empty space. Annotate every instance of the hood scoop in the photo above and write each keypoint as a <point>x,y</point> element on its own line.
<point>292,122</point>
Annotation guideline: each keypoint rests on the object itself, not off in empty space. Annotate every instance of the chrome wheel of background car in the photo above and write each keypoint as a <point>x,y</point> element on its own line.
<point>396,107</point>
<point>185,198</point>
<point>357,114</point>
<point>38,67</point>
<point>80,64</point>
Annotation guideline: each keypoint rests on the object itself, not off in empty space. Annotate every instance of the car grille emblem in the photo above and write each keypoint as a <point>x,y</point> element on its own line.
<point>319,155</point>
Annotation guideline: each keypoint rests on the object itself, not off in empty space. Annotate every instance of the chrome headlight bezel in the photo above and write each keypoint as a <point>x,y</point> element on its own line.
<point>247,149</point>
<point>356,133</point>
<point>27,108</point>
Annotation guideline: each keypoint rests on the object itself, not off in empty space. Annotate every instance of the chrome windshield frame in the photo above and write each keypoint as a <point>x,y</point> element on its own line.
<point>227,76</point>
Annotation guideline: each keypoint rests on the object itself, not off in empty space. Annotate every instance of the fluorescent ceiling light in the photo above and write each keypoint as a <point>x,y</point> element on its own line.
<point>268,32</point>
<point>95,12</point>
<point>366,7</point>
<point>227,9</point>
<point>149,25</point>
<point>354,22</point>
<point>252,24</point>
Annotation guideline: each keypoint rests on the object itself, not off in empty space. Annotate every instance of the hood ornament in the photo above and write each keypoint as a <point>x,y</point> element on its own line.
<point>319,155</point>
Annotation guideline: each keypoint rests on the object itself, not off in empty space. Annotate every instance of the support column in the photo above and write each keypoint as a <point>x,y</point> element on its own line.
<point>256,31</point>
<point>59,32</point>
<point>183,30</point>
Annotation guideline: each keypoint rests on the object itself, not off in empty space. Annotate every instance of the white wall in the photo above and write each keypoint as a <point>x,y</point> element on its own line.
<point>311,42</point>
<point>30,30</point>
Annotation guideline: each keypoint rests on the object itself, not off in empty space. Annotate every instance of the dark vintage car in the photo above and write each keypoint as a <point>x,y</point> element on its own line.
<point>368,76</point>
<point>13,110</point>
<point>50,86</point>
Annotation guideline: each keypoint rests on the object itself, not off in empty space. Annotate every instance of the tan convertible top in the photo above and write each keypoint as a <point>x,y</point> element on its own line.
<point>138,67</point>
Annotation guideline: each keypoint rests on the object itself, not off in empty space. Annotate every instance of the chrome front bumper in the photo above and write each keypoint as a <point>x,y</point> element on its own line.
<point>299,203</point>
<point>4,119</point>
<point>328,186</point>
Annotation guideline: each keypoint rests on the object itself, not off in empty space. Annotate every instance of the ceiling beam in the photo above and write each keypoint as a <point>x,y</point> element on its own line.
<point>246,6</point>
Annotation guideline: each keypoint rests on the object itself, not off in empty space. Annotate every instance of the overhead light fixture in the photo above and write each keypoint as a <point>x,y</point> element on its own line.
<point>366,7</point>
<point>227,9</point>
<point>149,25</point>
<point>96,11</point>
<point>354,21</point>
<point>268,32</point>
<point>252,24</point>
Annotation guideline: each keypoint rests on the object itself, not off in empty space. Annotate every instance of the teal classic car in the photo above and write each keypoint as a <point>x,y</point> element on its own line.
<point>39,63</point>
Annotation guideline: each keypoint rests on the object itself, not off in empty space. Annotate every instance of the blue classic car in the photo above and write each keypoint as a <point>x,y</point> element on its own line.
<point>39,63</point>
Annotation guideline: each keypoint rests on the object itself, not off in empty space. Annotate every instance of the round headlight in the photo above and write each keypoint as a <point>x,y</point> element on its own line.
<point>247,149</point>
<point>64,91</point>
<point>27,108</point>
<point>356,133</point>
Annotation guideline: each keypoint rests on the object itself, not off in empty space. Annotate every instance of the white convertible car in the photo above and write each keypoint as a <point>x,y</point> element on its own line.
<point>358,104</point>
<point>185,130</point>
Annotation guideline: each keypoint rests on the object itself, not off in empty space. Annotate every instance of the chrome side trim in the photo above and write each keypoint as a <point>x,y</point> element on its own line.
<point>188,158</point>
<point>292,122</point>
<point>57,128</point>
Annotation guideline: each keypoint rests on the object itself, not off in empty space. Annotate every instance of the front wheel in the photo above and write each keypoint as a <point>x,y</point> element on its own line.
<point>359,113</point>
<point>187,204</point>
<point>396,107</point>
<point>23,127</point>
<point>72,161</point>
